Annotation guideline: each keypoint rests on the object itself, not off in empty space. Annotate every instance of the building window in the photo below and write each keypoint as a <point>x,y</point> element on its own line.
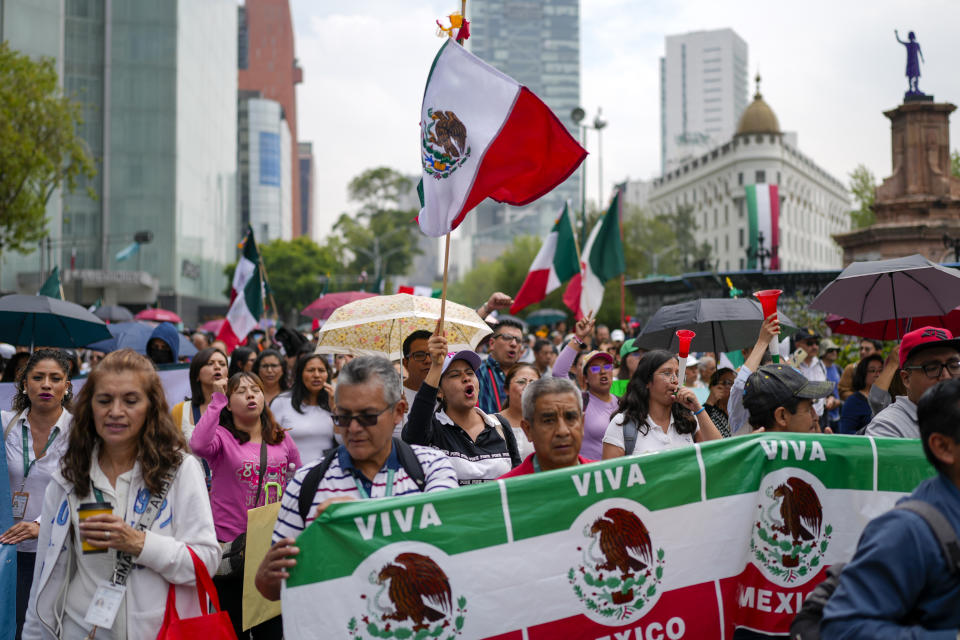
<point>741,264</point>
<point>726,243</point>
<point>741,237</point>
<point>740,208</point>
<point>705,220</point>
<point>715,219</point>
<point>726,214</point>
<point>778,177</point>
<point>269,159</point>
<point>740,178</point>
<point>243,39</point>
<point>761,176</point>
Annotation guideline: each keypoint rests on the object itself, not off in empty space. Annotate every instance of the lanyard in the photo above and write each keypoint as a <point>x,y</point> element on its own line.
<point>98,495</point>
<point>536,464</point>
<point>496,389</point>
<point>27,465</point>
<point>388,491</point>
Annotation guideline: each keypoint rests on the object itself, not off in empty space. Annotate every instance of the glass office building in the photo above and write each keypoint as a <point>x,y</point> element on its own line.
<point>158,87</point>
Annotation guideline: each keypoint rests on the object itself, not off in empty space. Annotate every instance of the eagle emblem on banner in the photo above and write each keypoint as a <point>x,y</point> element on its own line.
<point>789,536</point>
<point>444,143</point>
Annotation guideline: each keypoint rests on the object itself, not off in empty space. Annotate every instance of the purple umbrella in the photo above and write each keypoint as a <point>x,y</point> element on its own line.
<point>322,307</point>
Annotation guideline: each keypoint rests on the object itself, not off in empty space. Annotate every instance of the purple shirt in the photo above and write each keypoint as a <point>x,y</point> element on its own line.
<point>236,470</point>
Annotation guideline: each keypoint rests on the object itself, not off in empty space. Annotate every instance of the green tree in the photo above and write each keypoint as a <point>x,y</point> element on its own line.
<point>955,163</point>
<point>381,238</point>
<point>39,148</point>
<point>863,186</point>
<point>296,271</point>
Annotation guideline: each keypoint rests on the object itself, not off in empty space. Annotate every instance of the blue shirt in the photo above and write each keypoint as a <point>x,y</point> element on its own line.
<point>856,414</point>
<point>898,570</point>
<point>346,463</point>
<point>833,375</point>
<point>492,380</point>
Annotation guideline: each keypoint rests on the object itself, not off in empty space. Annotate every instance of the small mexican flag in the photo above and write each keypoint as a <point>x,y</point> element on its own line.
<point>483,135</point>
<point>246,296</point>
<point>418,290</point>
<point>602,260</point>
<point>763,205</point>
<point>52,287</point>
<point>556,262</point>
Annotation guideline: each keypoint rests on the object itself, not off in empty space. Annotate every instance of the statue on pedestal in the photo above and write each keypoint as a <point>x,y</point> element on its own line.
<point>914,57</point>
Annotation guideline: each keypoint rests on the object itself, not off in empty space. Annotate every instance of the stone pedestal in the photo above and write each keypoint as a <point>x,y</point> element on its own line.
<point>920,201</point>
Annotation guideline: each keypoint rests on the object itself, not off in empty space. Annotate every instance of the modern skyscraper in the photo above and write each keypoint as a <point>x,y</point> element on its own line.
<point>158,93</point>
<point>536,42</point>
<point>703,91</point>
<point>267,64</point>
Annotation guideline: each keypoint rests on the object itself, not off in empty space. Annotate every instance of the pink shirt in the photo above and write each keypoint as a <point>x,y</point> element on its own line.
<point>236,470</point>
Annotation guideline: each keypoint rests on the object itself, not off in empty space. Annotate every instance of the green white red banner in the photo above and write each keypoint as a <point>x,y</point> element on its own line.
<point>689,543</point>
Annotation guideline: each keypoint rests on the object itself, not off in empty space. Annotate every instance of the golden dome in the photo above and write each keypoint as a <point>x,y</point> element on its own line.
<point>758,117</point>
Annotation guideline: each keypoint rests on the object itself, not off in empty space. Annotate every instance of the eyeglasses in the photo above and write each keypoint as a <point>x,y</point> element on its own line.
<point>419,356</point>
<point>725,383</point>
<point>363,419</point>
<point>596,368</point>
<point>872,371</point>
<point>669,375</point>
<point>506,338</point>
<point>523,381</point>
<point>935,369</point>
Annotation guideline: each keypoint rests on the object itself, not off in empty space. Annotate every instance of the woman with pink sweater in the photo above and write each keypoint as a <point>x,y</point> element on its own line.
<point>250,456</point>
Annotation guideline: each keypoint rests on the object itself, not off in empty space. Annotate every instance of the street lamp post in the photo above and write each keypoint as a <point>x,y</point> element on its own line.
<point>578,115</point>
<point>762,253</point>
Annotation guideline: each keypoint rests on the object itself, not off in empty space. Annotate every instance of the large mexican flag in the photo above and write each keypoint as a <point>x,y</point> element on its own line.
<point>763,207</point>
<point>555,263</point>
<point>483,134</point>
<point>688,543</point>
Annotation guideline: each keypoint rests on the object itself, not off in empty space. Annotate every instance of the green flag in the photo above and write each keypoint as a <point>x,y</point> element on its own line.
<point>52,287</point>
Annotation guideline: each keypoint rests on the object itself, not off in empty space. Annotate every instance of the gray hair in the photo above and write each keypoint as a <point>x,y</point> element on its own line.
<point>706,361</point>
<point>545,386</point>
<point>370,369</point>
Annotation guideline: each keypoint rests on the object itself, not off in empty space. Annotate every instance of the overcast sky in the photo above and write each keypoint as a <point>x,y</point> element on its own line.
<point>829,71</point>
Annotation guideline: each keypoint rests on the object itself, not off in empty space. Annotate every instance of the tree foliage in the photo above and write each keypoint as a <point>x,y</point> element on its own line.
<point>955,163</point>
<point>39,148</point>
<point>381,238</point>
<point>863,186</point>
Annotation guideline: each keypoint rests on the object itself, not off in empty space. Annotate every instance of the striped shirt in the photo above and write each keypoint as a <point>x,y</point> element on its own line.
<point>341,480</point>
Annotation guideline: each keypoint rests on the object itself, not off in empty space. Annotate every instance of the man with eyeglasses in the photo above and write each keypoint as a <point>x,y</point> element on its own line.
<point>927,356</point>
<point>368,465</point>
<point>505,349</point>
<point>416,362</point>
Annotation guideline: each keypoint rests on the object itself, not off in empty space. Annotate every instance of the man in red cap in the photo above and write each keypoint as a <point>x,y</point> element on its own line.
<point>927,356</point>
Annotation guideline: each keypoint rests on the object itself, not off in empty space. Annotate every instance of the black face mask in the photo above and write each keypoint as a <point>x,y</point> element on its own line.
<point>160,355</point>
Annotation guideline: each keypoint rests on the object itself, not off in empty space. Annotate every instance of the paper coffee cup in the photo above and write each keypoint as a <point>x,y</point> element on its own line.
<point>86,510</point>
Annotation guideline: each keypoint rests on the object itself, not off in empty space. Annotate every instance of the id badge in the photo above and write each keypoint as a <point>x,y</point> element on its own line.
<point>20,499</point>
<point>105,605</point>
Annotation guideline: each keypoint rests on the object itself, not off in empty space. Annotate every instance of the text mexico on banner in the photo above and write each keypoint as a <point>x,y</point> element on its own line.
<point>688,543</point>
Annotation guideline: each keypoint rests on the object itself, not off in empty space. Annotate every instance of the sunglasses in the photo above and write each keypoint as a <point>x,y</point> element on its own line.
<point>363,419</point>
<point>597,368</point>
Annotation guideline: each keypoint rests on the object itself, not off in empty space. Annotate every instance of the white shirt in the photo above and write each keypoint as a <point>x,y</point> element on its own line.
<point>655,439</point>
<point>815,372</point>
<point>312,430</point>
<point>41,470</point>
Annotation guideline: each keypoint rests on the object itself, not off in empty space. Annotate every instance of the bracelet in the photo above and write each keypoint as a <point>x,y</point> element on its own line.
<point>577,339</point>
<point>699,411</point>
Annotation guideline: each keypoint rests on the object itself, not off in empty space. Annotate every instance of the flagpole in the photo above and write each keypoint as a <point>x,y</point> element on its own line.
<point>623,276</point>
<point>446,249</point>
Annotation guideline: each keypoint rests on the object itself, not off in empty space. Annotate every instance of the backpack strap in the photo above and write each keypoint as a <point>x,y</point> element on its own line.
<point>630,430</point>
<point>410,462</point>
<point>311,482</point>
<point>506,432</point>
<point>308,488</point>
<point>943,531</point>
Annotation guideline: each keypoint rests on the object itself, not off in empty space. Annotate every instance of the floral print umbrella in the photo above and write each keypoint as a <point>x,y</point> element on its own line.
<point>378,326</point>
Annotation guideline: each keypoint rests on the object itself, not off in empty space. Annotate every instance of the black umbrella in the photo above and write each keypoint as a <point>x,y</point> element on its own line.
<point>721,325</point>
<point>114,313</point>
<point>890,290</point>
<point>43,321</point>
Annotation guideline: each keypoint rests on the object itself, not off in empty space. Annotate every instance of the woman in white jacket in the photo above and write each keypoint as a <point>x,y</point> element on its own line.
<point>122,446</point>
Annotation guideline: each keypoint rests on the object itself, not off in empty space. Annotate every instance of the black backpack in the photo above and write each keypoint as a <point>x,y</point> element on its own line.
<point>806,626</point>
<point>308,488</point>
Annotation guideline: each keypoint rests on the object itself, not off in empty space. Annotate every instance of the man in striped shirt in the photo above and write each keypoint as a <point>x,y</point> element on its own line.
<point>369,405</point>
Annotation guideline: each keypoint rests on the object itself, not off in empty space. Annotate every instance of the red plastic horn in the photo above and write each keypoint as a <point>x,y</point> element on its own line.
<point>768,300</point>
<point>686,337</point>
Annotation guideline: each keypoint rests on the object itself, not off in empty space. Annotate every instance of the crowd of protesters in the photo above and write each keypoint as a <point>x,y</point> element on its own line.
<point>275,421</point>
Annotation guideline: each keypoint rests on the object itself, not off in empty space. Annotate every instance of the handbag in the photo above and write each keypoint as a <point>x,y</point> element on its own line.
<point>231,564</point>
<point>209,626</point>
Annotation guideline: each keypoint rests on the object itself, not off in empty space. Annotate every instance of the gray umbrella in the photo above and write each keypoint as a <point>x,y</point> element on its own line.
<point>48,322</point>
<point>113,313</point>
<point>721,325</point>
<point>891,289</point>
